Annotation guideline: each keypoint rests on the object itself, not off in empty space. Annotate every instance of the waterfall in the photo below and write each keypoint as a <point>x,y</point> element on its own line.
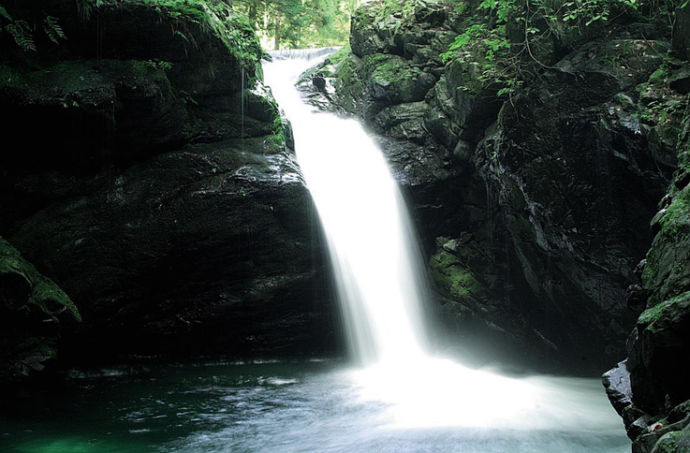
<point>373,251</point>
<point>375,261</point>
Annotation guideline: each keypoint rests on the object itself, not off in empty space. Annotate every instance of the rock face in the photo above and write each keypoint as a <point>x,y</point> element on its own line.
<point>537,207</point>
<point>658,414</point>
<point>656,410</point>
<point>145,170</point>
<point>32,310</point>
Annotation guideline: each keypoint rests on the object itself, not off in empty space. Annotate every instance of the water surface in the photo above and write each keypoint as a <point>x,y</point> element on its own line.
<point>308,406</point>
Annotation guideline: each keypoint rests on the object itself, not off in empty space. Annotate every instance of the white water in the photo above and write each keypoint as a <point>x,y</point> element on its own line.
<point>375,262</point>
<point>366,225</point>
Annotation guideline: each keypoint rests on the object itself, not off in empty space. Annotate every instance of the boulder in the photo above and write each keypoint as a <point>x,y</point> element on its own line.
<point>33,311</point>
<point>154,180</point>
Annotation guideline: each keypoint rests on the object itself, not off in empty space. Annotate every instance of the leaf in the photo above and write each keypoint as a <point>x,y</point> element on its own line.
<point>21,32</point>
<point>53,30</point>
<point>5,14</point>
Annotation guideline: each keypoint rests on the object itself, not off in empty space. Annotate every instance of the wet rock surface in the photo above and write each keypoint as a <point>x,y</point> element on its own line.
<point>660,340</point>
<point>151,181</point>
<point>537,207</point>
<point>33,311</point>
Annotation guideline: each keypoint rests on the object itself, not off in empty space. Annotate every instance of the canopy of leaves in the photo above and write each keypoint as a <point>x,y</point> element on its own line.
<point>297,23</point>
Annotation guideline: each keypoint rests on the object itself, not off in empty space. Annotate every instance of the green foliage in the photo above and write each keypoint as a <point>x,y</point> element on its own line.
<point>399,8</point>
<point>53,30</point>
<point>22,32</point>
<point>453,276</point>
<point>294,23</point>
<point>43,294</point>
<point>277,138</point>
<point>215,16</point>
<point>662,108</point>
<point>506,40</point>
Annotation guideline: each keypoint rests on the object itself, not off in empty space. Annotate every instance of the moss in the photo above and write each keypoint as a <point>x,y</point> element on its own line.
<point>27,300</point>
<point>45,294</point>
<point>665,273</point>
<point>680,411</point>
<point>676,218</point>
<point>452,276</point>
<point>666,310</point>
<point>385,68</point>
<point>88,77</point>
<point>338,57</point>
<point>674,442</point>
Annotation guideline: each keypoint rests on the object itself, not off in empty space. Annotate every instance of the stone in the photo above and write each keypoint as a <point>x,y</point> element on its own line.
<point>32,308</point>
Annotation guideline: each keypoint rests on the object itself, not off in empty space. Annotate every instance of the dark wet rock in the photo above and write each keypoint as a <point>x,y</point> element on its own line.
<point>155,182</point>
<point>97,106</point>
<point>205,249</point>
<point>660,342</point>
<point>617,384</point>
<point>549,193</point>
<point>577,184</point>
<point>33,310</point>
<point>661,337</point>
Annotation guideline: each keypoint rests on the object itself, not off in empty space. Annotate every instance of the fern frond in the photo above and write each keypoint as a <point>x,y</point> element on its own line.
<point>5,14</point>
<point>53,30</point>
<point>21,32</point>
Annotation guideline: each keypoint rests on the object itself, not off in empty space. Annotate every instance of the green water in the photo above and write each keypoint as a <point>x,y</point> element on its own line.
<point>308,406</point>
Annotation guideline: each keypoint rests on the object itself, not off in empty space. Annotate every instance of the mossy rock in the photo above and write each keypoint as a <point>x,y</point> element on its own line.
<point>674,442</point>
<point>452,276</point>
<point>30,306</point>
<point>666,273</point>
<point>393,80</point>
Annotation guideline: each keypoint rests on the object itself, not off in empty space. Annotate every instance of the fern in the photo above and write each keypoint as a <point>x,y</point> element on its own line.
<point>5,14</point>
<point>53,30</point>
<point>21,32</point>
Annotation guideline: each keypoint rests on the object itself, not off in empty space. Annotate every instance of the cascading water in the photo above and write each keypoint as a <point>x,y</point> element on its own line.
<point>366,224</point>
<point>374,259</point>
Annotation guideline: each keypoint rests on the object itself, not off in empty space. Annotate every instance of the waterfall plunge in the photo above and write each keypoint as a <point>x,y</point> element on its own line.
<point>372,249</point>
<point>374,258</point>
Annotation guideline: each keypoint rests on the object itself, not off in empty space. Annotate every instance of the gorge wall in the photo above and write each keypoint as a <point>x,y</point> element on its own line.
<point>145,169</point>
<point>534,208</point>
<point>650,389</point>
